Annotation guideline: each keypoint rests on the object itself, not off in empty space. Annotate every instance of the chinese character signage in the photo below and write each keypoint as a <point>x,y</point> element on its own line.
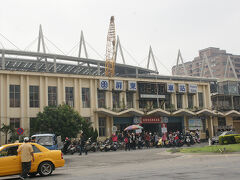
<point>118,85</point>
<point>182,88</point>
<point>170,88</point>
<point>192,88</point>
<point>132,85</point>
<point>103,84</point>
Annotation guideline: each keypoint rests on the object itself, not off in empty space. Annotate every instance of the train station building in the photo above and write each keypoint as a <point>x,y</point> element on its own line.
<point>134,96</point>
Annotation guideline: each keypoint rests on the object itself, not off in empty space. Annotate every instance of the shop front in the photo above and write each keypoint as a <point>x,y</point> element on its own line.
<point>122,122</point>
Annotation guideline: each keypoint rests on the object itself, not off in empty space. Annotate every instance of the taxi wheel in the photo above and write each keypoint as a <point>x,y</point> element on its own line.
<point>45,168</point>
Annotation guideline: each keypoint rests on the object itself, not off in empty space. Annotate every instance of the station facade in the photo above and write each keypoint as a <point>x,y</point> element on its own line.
<point>108,102</point>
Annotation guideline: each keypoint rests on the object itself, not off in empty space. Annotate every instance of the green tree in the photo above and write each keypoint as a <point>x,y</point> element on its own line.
<point>6,129</point>
<point>61,120</point>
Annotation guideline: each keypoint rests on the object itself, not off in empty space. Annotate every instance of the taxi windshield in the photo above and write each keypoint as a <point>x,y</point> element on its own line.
<point>44,140</point>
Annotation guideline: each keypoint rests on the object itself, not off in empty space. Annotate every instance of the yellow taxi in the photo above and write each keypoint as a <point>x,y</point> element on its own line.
<point>45,160</point>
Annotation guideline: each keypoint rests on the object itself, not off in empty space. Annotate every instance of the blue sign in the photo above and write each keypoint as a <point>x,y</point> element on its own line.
<point>118,85</point>
<point>132,85</point>
<point>192,88</point>
<point>182,88</point>
<point>103,85</point>
<point>170,88</point>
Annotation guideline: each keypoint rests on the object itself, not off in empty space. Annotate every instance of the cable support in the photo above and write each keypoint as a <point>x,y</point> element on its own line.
<point>163,65</point>
<point>73,48</point>
<point>9,41</point>
<point>30,44</point>
<point>131,56</point>
<point>55,45</point>
<point>95,51</point>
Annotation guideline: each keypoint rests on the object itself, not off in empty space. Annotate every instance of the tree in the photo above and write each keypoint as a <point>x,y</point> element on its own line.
<point>6,129</point>
<point>61,120</point>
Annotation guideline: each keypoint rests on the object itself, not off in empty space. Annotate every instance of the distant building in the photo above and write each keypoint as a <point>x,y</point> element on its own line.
<point>217,59</point>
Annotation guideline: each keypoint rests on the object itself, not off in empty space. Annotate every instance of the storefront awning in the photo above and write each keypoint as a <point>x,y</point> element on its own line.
<point>132,111</point>
<point>233,113</point>
<point>159,112</point>
<point>106,112</point>
<point>183,112</point>
<point>206,112</point>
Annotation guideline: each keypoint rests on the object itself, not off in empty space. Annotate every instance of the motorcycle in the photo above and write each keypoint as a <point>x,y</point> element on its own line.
<point>188,140</point>
<point>66,145</point>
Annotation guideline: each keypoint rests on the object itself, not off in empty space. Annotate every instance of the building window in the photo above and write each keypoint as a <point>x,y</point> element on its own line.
<point>102,126</point>
<point>179,101</point>
<point>101,99</point>
<point>190,101</point>
<point>142,104</point>
<point>34,96</point>
<point>129,96</point>
<point>86,97</point>
<point>116,102</point>
<point>15,123</point>
<point>52,95</point>
<point>69,92</point>
<point>14,95</point>
<point>200,99</point>
<point>221,122</point>
<point>33,125</point>
<point>168,101</point>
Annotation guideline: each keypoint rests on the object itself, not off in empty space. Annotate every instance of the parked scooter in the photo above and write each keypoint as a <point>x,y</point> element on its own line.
<point>188,140</point>
<point>66,145</point>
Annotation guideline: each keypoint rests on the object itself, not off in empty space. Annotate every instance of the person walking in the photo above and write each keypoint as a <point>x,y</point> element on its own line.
<point>27,156</point>
<point>82,145</point>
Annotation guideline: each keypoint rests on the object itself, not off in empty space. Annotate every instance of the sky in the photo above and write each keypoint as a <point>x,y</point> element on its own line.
<point>166,25</point>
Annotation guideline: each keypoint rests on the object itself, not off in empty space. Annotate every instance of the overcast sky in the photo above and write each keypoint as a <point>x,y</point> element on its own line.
<point>166,25</point>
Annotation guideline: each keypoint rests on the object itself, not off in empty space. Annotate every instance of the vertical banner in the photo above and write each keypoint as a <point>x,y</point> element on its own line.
<point>164,128</point>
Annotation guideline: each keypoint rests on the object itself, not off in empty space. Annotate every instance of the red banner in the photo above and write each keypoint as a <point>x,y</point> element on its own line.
<point>151,120</point>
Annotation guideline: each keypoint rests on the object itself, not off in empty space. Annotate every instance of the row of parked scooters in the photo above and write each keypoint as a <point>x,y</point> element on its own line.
<point>172,140</point>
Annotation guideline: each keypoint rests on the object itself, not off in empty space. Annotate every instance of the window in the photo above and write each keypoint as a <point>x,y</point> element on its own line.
<point>86,97</point>
<point>33,125</point>
<point>179,101</point>
<point>116,102</point>
<point>14,95</point>
<point>190,101</point>
<point>102,126</point>
<point>35,149</point>
<point>15,123</point>
<point>34,96</point>
<point>101,99</point>
<point>129,96</point>
<point>52,95</point>
<point>142,104</point>
<point>221,121</point>
<point>200,99</point>
<point>9,151</point>
<point>69,96</point>
<point>168,101</point>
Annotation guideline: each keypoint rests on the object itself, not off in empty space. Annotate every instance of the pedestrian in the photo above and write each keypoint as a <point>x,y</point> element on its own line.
<point>26,157</point>
<point>82,145</point>
<point>207,134</point>
<point>127,143</point>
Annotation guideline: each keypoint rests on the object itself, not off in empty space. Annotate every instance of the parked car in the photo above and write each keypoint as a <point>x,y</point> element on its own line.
<point>45,160</point>
<point>215,139</point>
<point>50,141</point>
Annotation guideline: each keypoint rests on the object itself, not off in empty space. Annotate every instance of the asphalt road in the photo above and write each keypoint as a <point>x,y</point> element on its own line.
<point>147,164</point>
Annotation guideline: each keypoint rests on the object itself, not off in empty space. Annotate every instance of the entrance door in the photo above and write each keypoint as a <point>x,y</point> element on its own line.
<point>173,127</point>
<point>236,126</point>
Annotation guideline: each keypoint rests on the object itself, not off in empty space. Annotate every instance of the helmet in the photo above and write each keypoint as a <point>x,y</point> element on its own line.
<point>26,139</point>
<point>66,138</point>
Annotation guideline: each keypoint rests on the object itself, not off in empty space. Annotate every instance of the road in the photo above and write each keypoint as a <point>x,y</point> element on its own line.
<point>147,164</point>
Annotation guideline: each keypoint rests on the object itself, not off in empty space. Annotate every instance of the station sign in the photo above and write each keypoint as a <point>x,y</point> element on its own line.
<point>170,87</point>
<point>151,120</point>
<point>152,96</point>
<point>118,85</point>
<point>103,84</point>
<point>132,85</point>
<point>182,88</point>
<point>192,88</point>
